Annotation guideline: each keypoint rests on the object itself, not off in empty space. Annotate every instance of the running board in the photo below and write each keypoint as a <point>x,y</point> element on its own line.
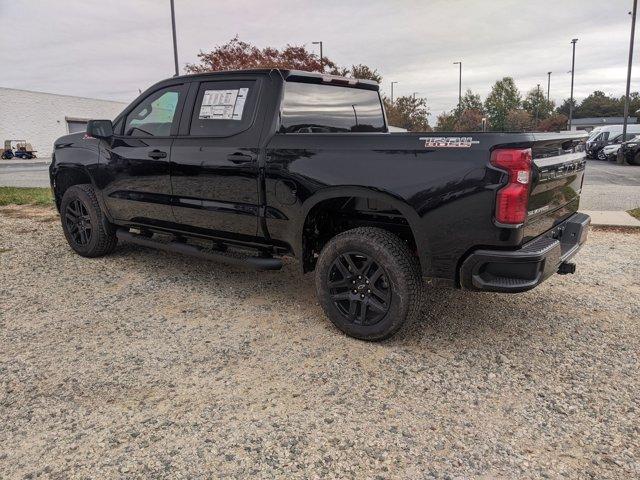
<point>259,263</point>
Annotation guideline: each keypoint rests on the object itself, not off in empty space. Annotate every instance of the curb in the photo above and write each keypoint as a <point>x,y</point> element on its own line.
<point>612,218</point>
<point>24,163</point>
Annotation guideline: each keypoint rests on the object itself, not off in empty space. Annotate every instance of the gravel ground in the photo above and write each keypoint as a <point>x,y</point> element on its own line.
<point>152,365</point>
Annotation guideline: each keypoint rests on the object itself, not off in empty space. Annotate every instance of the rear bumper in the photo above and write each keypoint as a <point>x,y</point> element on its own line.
<point>523,269</point>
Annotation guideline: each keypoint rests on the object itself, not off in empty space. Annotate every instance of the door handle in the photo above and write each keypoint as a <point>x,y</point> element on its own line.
<point>157,154</point>
<point>239,158</point>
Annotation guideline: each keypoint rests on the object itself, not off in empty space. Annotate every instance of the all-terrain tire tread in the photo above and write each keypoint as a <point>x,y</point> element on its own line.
<point>107,240</point>
<point>408,264</point>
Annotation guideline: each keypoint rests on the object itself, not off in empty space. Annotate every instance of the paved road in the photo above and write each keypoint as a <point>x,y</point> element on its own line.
<point>609,173</point>
<point>608,186</point>
<point>24,173</point>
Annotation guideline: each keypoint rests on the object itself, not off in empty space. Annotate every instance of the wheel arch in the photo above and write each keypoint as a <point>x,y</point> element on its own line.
<point>312,204</point>
<point>67,176</point>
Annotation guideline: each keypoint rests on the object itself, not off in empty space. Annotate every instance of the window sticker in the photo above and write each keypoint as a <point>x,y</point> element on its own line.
<point>223,104</point>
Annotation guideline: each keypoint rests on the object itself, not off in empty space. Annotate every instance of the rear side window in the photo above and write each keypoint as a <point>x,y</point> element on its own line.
<point>154,116</point>
<point>317,108</point>
<point>224,108</point>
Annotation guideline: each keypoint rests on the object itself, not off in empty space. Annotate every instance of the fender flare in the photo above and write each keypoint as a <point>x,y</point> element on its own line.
<point>396,202</point>
<point>82,169</point>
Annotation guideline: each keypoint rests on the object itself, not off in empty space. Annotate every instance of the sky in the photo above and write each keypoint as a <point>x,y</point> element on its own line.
<point>112,49</point>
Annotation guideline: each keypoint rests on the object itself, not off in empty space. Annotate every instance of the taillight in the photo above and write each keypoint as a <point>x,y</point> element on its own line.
<point>512,200</point>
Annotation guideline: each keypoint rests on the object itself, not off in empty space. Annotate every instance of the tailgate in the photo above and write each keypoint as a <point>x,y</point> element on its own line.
<point>558,172</point>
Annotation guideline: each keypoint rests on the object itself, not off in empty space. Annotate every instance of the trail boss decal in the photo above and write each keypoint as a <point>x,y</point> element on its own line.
<point>448,142</point>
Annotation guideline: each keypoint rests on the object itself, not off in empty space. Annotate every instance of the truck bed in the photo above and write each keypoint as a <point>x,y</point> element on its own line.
<point>449,191</point>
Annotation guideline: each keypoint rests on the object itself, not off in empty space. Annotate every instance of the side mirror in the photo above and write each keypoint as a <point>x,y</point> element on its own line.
<point>100,128</point>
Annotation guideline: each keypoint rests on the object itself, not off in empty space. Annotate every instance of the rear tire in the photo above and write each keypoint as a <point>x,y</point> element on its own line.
<point>368,283</point>
<point>635,160</point>
<point>85,227</point>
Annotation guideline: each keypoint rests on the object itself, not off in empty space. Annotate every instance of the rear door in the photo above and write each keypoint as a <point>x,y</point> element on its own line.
<point>214,163</point>
<point>135,165</point>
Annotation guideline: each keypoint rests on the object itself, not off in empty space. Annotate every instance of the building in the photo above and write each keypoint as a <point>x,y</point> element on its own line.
<point>590,123</point>
<point>39,118</point>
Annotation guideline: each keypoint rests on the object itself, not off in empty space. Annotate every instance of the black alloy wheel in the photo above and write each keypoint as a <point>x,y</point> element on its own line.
<point>359,288</point>
<point>368,283</point>
<point>85,227</point>
<point>78,222</point>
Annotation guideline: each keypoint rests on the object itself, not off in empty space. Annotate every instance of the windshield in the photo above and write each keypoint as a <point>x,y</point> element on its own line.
<point>593,134</point>
<point>596,137</point>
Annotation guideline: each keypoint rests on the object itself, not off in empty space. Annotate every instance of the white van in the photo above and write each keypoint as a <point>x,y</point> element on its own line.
<point>609,135</point>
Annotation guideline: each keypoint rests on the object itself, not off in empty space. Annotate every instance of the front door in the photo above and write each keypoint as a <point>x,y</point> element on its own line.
<point>135,168</point>
<point>214,165</point>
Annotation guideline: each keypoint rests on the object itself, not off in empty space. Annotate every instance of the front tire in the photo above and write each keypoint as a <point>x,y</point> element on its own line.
<point>86,229</point>
<point>368,283</point>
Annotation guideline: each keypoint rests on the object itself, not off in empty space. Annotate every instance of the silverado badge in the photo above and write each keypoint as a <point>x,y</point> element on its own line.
<point>451,142</point>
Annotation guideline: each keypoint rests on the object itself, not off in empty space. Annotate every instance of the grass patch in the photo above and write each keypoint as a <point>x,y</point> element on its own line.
<point>634,213</point>
<point>25,196</point>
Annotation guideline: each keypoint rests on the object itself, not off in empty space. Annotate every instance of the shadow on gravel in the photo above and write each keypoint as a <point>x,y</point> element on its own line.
<point>447,314</point>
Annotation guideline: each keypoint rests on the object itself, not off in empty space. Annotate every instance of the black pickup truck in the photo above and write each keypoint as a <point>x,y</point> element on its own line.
<point>249,166</point>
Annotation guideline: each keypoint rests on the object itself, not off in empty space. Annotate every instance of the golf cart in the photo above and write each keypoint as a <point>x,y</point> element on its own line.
<point>18,149</point>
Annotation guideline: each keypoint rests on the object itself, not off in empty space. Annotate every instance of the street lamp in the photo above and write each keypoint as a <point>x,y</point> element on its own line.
<point>392,83</point>
<point>459,84</point>
<point>548,84</point>
<point>626,97</point>
<point>573,69</point>
<point>321,57</point>
<point>538,104</point>
<point>175,44</point>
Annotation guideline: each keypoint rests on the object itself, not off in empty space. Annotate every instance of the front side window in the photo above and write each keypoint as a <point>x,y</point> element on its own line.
<point>317,108</point>
<point>154,116</point>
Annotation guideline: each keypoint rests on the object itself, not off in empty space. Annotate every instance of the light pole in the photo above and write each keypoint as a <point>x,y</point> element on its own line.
<point>175,44</point>
<point>414,94</point>
<point>573,69</point>
<point>626,97</point>
<point>538,105</point>
<point>392,83</point>
<point>321,57</point>
<point>548,84</point>
<point>459,85</point>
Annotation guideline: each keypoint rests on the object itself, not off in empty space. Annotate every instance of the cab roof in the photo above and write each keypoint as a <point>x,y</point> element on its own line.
<point>293,75</point>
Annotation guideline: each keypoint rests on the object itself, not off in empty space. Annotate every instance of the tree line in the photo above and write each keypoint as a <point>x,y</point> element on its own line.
<point>504,109</point>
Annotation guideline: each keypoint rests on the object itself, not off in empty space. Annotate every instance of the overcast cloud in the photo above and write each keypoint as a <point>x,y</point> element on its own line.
<point>110,49</point>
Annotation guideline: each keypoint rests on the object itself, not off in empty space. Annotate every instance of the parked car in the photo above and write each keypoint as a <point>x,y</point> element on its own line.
<point>246,167</point>
<point>606,136</point>
<point>610,150</point>
<point>631,151</point>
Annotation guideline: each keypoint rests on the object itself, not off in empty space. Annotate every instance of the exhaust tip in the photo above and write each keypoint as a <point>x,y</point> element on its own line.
<point>566,267</point>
